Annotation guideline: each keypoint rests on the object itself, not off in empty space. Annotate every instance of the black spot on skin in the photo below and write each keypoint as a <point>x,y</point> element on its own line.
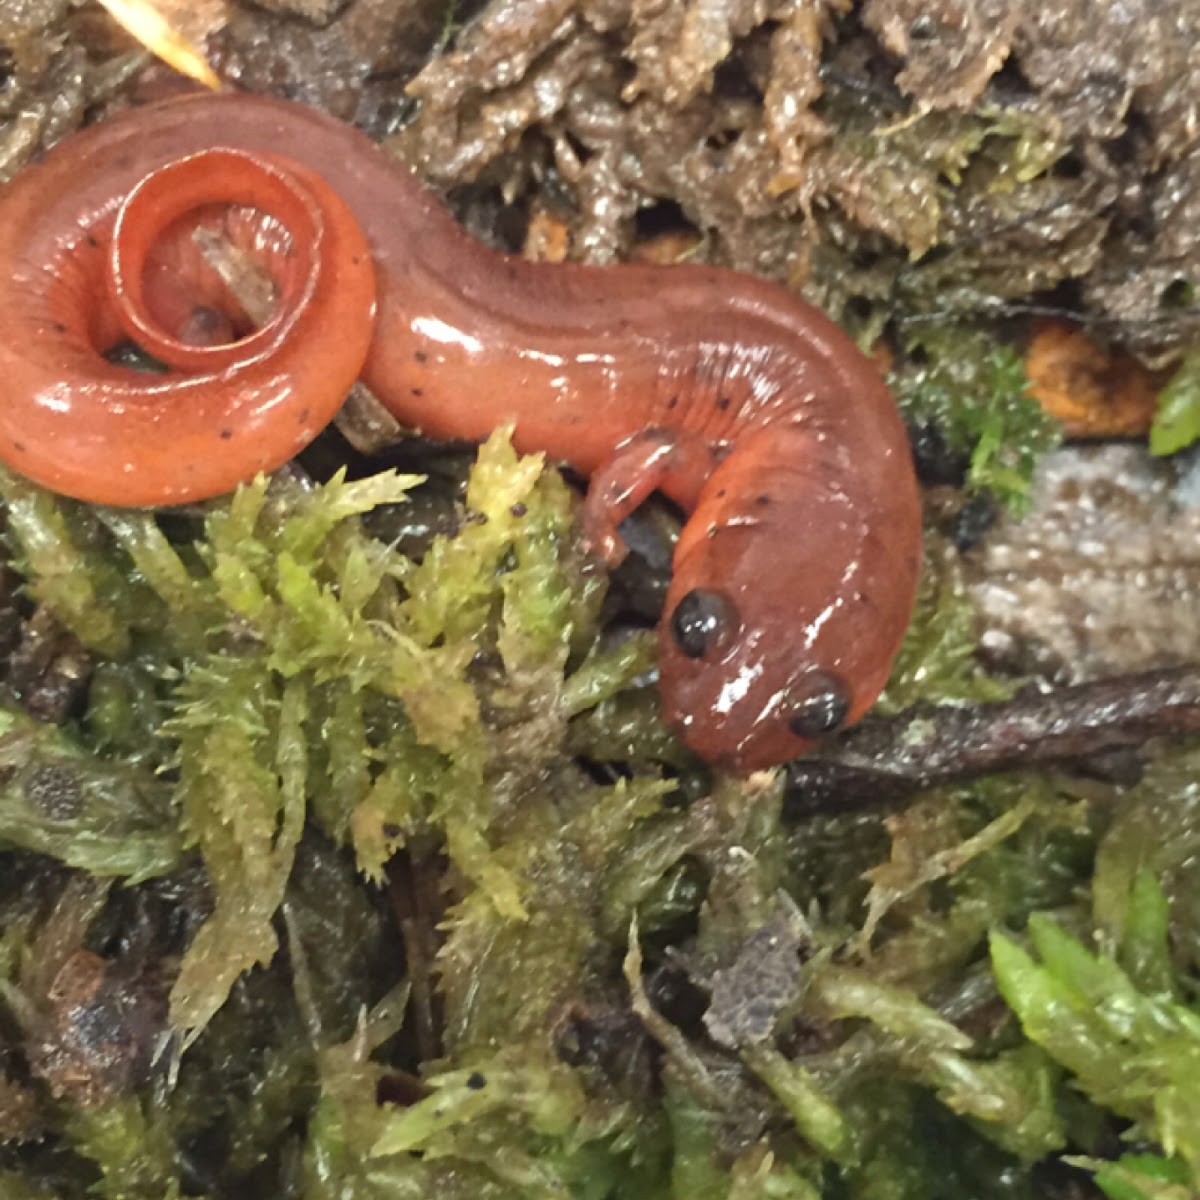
<point>476,1082</point>
<point>19,447</point>
<point>226,434</point>
<point>762,501</point>
<point>303,418</point>
<point>518,510</point>
<point>59,327</point>
<point>420,356</point>
<point>673,402</point>
<point>91,241</point>
<point>723,402</point>
<point>417,391</point>
<point>720,493</point>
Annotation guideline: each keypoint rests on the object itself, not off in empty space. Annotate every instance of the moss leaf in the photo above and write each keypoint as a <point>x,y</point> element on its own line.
<point>1177,422</point>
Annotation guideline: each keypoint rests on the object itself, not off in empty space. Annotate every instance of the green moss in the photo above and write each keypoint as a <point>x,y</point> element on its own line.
<point>15,1185</point>
<point>57,546</point>
<point>648,983</point>
<point>132,1148</point>
<point>1143,1177</point>
<point>242,797</point>
<point>105,818</point>
<point>1133,1052</point>
<point>1153,837</point>
<point>897,172</point>
<point>1177,421</point>
<point>974,391</point>
<point>939,658</point>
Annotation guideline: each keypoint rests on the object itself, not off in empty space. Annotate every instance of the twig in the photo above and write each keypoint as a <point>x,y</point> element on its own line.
<point>885,758</point>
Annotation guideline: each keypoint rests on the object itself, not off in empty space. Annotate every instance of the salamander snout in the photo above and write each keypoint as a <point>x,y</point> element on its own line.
<point>737,695</point>
<point>706,623</point>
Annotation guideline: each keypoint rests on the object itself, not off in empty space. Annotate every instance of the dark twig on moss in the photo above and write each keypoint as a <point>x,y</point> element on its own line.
<point>885,758</point>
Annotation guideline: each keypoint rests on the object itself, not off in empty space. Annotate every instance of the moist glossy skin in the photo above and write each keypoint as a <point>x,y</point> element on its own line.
<point>794,578</point>
<point>68,291</point>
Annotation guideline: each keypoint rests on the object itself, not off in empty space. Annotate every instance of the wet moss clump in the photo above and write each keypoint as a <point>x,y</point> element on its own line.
<point>358,874</point>
<point>972,393</point>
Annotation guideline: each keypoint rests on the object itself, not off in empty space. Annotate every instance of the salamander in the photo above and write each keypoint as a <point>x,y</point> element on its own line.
<point>794,576</point>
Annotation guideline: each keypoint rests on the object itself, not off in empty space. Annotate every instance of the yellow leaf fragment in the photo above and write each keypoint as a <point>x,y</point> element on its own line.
<point>160,28</point>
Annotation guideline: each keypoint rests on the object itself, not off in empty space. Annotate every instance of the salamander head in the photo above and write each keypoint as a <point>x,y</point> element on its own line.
<point>768,646</point>
<point>734,695</point>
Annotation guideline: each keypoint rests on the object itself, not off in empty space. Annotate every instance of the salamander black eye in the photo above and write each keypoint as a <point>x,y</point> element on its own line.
<point>702,620</point>
<point>820,707</point>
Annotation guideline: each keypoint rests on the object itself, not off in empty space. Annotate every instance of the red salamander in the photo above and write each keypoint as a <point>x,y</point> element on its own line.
<point>794,577</point>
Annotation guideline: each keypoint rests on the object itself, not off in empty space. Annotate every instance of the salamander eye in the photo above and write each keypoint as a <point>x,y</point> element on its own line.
<point>819,705</point>
<point>702,620</point>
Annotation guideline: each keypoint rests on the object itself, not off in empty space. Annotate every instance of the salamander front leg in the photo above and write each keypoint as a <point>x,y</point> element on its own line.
<point>656,460</point>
